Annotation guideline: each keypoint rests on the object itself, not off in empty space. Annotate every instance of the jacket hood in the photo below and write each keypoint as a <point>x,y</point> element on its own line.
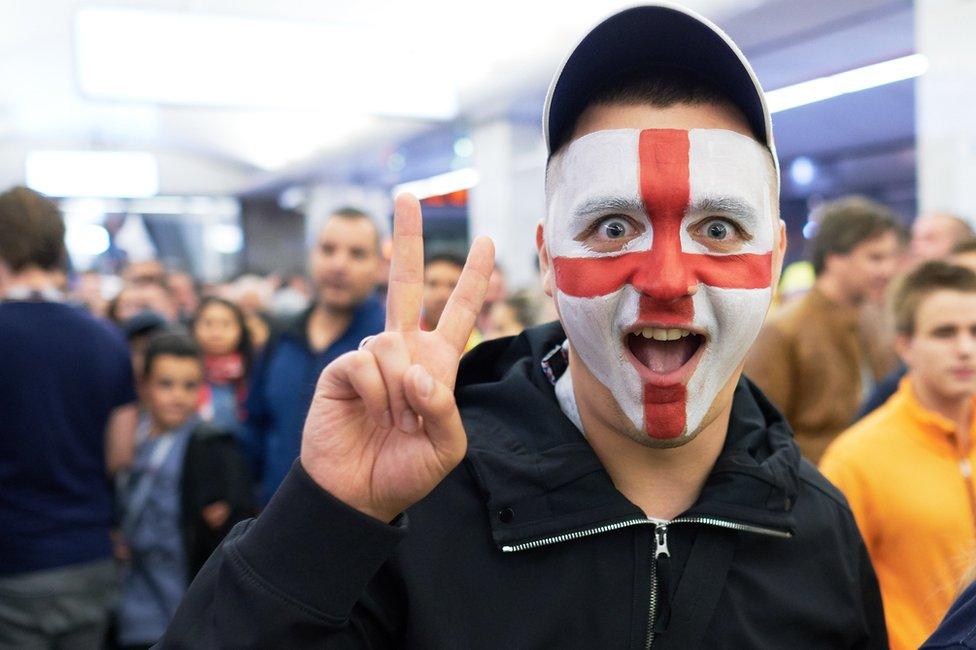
<point>541,478</point>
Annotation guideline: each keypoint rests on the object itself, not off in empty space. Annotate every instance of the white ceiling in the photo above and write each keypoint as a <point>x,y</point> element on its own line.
<point>497,50</point>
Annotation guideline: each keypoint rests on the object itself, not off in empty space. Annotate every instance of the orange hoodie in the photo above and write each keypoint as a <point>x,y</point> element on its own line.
<point>911,489</point>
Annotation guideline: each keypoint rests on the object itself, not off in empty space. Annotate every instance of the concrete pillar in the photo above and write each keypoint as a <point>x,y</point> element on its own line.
<point>509,199</point>
<point>946,122</point>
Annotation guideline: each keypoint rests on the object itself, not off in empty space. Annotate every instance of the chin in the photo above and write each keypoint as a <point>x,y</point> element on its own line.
<point>645,439</point>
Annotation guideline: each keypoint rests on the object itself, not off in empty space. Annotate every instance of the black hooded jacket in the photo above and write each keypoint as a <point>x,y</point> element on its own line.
<point>527,544</point>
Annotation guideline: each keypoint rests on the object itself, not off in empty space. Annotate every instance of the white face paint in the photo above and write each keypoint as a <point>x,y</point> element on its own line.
<point>666,230</point>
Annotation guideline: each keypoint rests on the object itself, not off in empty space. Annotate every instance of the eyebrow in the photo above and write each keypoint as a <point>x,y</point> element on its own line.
<point>609,204</point>
<point>724,204</point>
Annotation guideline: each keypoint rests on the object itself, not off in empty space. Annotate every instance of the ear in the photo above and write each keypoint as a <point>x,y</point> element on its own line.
<point>903,346</point>
<point>5,274</point>
<point>545,264</point>
<point>780,255</point>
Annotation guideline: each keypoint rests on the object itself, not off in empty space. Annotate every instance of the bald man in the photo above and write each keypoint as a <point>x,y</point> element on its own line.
<point>934,235</point>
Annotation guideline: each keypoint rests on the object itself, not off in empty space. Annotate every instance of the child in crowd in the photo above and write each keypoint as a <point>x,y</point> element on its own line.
<point>220,330</point>
<point>188,486</point>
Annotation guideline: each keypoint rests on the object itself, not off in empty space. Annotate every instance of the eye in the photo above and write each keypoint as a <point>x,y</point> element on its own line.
<point>719,234</point>
<point>610,234</point>
<point>717,229</point>
<point>614,228</point>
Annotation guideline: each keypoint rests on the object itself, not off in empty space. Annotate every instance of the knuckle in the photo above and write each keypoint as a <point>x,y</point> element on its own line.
<point>384,342</point>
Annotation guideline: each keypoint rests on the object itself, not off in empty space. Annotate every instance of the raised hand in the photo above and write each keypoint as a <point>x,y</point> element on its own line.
<point>383,428</point>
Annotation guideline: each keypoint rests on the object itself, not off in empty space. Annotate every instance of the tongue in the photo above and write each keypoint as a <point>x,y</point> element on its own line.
<point>663,356</point>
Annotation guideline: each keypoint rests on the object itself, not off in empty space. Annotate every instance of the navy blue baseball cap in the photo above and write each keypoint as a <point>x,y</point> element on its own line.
<point>643,37</point>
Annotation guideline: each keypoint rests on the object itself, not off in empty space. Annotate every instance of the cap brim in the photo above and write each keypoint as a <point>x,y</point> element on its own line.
<point>646,36</point>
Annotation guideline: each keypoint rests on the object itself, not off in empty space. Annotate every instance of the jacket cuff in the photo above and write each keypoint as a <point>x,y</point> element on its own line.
<point>314,549</point>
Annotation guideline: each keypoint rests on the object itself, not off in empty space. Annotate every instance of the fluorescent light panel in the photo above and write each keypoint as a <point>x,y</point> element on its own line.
<point>123,174</point>
<point>460,179</point>
<point>851,81</point>
<point>210,60</point>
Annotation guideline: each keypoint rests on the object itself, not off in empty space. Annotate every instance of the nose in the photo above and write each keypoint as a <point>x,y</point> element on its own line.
<point>967,345</point>
<point>665,276</point>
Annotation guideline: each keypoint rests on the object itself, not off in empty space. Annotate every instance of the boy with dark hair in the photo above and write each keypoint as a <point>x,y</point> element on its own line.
<point>441,274</point>
<point>606,481</point>
<point>906,469</point>
<point>188,487</point>
<point>817,359</point>
<point>68,414</point>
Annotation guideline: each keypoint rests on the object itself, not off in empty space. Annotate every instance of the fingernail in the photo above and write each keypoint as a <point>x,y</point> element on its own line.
<point>425,383</point>
<point>408,421</point>
<point>386,421</point>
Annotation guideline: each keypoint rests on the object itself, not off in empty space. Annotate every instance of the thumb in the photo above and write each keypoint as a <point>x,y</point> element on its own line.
<point>434,402</point>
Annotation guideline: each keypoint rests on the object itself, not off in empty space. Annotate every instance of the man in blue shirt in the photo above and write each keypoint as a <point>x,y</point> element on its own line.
<point>68,415</point>
<point>343,265</point>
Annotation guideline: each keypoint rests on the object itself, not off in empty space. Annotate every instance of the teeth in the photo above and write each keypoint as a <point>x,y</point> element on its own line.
<point>662,334</point>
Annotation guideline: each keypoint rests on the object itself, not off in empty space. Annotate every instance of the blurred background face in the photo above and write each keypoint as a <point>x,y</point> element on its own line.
<point>941,354</point>
<point>171,390</point>
<point>502,321</point>
<point>343,264</point>
<point>147,271</point>
<point>184,292</point>
<point>440,278</point>
<point>217,329</point>
<point>867,270</point>
<point>933,236</point>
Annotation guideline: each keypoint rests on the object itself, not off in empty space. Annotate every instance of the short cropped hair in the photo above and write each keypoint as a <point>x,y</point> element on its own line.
<point>845,224</point>
<point>964,247</point>
<point>911,289</point>
<point>448,257</point>
<point>172,345</point>
<point>350,213</point>
<point>660,86</point>
<point>31,231</point>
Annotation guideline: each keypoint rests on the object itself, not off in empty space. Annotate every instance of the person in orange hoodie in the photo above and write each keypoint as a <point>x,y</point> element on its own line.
<point>906,469</point>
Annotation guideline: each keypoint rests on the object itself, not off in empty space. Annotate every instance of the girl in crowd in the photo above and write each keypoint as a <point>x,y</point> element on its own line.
<point>221,332</point>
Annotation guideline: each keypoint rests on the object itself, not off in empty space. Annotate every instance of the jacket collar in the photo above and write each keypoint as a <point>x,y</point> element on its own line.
<point>541,479</point>
<point>927,425</point>
<point>297,328</point>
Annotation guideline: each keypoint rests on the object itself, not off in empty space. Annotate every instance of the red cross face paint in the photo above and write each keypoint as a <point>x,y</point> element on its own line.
<point>661,245</point>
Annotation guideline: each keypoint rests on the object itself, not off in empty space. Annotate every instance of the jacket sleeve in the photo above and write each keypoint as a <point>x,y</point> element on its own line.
<point>877,638</point>
<point>234,481</point>
<point>258,419</point>
<point>770,365</point>
<point>302,575</point>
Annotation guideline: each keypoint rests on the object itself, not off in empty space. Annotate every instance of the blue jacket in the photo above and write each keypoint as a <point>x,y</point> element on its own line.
<point>281,390</point>
<point>958,628</point>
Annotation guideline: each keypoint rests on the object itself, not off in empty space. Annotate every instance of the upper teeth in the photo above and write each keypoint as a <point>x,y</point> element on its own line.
<point>662,334</point>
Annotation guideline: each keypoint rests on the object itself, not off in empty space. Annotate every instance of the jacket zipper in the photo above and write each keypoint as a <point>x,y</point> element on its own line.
<point>660,549</point>
<point>966,469</point>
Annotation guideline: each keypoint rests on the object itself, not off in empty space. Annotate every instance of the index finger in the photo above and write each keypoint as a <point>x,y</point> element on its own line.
<point>406,285</point>
<point>465,302</point>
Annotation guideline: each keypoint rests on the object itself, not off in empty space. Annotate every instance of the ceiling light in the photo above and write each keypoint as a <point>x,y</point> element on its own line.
<point>121,174</point>
<point>225,238</point>
<point>185,58</point>
<point>461,179</point>
<point>851,81</point>
<point>803,171</point>
<point>86,240</point>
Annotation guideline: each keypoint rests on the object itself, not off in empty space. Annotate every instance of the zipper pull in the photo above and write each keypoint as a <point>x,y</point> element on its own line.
<point>661,537</point>
<point>662,567</point>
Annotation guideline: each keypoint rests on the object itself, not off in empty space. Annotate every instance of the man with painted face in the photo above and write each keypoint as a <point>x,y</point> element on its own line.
<point>608,480</point>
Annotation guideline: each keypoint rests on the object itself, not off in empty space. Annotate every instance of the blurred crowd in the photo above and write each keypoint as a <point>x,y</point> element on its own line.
<point>191,436</point>
<point>184,401</point>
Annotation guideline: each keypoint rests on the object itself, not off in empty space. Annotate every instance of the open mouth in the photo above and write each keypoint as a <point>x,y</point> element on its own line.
<point>664,351</point>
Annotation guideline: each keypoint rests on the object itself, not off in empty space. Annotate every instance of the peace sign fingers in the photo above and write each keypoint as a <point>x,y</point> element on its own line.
<point>465,302</point>
<point>406,285</point>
